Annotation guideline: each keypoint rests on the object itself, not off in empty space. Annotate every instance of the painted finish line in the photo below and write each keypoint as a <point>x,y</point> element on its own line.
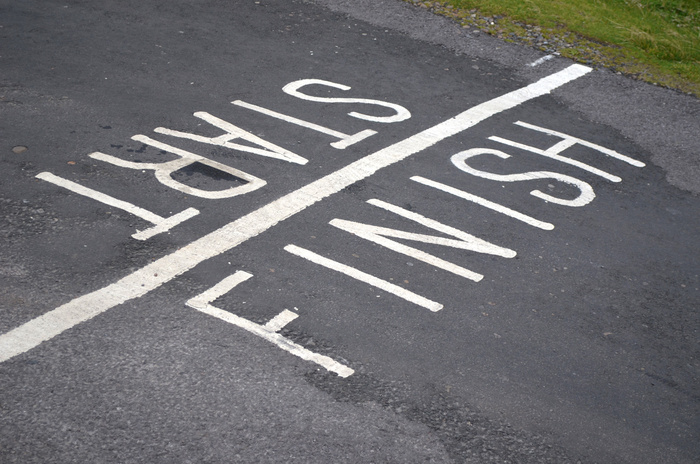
<point>161,271</point>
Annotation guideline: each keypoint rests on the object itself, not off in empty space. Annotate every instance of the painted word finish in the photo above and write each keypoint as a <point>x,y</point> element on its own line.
<point>462,240</point>
<point>234,138</point>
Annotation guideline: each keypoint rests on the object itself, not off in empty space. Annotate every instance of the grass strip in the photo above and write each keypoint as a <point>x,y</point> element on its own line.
<point>657,41</point>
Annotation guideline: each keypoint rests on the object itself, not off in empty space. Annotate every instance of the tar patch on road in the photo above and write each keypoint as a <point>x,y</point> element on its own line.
<point>468,436</point>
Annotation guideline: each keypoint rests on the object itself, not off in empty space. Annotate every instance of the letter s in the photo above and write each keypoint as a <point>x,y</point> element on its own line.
<point>587,195</point>
<point>293,89</point>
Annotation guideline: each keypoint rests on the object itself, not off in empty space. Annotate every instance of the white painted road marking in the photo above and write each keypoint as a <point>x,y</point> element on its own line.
<point>278,322</point>
<point>163,171</point>
<point>166,224</point>
<point>345,139</point>
<point>552,153</point>
<point>268,332</point>
<point>220,289</point>
<point>485,203</point>
<point>152,276</point>
<point>568,142</point>
<point>606,151</point>
<point>541,60</point>
<point>293,89</point>
<point>161,224</point>
<point>364,277</point>
<point>586,196</point>
<point>232,132</point>
<point>463,240</point>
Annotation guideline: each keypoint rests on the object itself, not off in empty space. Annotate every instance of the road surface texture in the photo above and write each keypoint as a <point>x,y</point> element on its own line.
<point>337,231</point>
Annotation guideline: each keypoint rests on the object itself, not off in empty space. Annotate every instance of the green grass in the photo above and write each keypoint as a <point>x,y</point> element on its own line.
<point>654,40</point>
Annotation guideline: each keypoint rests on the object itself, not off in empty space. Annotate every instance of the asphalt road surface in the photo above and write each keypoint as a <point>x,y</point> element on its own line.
<point>337,231</point>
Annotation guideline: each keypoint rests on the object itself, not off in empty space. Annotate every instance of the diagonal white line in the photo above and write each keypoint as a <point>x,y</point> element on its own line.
<point>364,277</point>
<point>101,197</point>
<point>152,276</point>
<point>484,202</point>
<point>272,336</point>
